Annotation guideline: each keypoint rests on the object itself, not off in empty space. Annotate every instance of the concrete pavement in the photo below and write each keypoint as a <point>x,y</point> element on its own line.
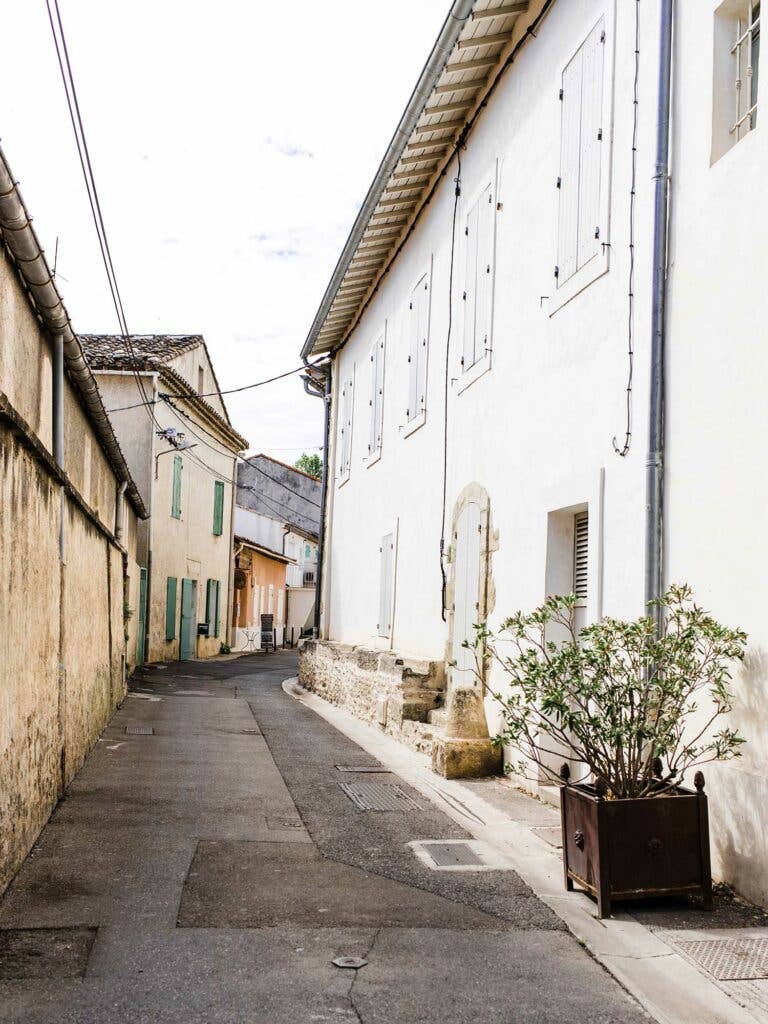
<point>207,866</point>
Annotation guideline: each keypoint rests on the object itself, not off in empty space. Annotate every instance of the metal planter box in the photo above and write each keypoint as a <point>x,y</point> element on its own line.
<point>632,849</point>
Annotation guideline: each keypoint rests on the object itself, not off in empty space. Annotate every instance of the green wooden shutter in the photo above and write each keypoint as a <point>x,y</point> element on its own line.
<point>217,622</point>
<point>209,604</point>
<point>170,608</point>
<point>176,499</point>
<point>218,507</point>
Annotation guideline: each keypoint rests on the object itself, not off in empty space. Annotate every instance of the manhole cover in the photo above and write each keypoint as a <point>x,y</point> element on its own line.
<point>446,855</point>
<point>352,962</point>
<point>139,730</point>
<point>459,855</point>
<point>379,796</point>
<point>729,959</point>
<point>371,769</point>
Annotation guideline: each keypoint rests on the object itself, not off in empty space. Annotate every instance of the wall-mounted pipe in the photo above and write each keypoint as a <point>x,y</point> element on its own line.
<point>120,512</point>
<point>654,508</point>
<point>311,386</point>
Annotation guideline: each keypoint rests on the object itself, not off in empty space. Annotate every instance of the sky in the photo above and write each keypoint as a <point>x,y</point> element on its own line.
<point>232,145</point>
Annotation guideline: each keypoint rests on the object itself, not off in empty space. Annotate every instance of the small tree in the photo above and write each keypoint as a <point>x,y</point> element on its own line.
<point>615,699</point>
<point>312,465</point>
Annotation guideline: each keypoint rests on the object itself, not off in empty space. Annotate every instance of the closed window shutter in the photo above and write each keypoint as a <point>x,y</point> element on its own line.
<point>422,341</point>
<point>387,551</point>
<point>176,494</point>
<point>170,608</point>
<point>591,143</point>
<point>209,603</point>
<point>568,181</point>
<point>470,289</point>
<point>346,428</point>
<point>217,609</point>
<point>484,310</point>
<point>580,555</point>
<point>377,396</point>
<point>218,507</point>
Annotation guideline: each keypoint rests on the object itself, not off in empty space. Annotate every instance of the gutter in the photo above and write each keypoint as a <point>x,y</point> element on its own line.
<point>654,507</point>
<point>449,33</point>
<point>20,239</point>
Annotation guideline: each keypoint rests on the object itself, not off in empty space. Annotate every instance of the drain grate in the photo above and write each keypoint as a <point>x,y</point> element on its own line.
<point>379,796</point>
<point>459,855</point>
<point>729,959</point>
<point>371,769</point>
<point>449,855</point>
<point>139,730</point>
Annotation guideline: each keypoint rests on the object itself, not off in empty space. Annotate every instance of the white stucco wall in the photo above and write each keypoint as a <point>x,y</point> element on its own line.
<point>536,430</point>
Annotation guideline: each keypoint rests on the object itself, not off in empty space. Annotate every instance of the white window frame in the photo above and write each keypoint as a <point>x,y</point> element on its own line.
<point>465,377</point>
<point>377,363</point>
<point>345,425</point>
<point>421,369</point>
<point>386,630</point>
<point>597,265</point>
<point>741,51</point>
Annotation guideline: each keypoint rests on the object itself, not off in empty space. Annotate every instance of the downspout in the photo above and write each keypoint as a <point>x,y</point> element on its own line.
<point>120,511</point>
<point>654,508</point>
<point>231,628</point>
<point>326,396</point>
<point>57,430</point>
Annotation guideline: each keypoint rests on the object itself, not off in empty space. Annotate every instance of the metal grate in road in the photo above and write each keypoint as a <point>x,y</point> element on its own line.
<point>379,796</point>
<point>139,730</point>
<point>449,855</point>
<point>729,959</point>
<point>371,769</point>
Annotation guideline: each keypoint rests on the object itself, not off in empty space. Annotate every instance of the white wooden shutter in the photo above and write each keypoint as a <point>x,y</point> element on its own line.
<point>418,327</point>
<point>568,179</point>
<point>345,437</point>
<point>580,555</point>
<point>485,251</point>
<point>387,560</point>
<point>376,401</point>
<point>471,230</point>
<point>466,608</point>
<point>591,144</point>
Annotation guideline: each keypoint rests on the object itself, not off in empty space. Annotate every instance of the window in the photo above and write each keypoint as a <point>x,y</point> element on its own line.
<point>376,401</point>
<point>581,565</point>
<point>212,606</point>
<point>345,429</point>
<point>170,608</point>
<point>418,338</point>
<point>386,579</point>
<point>176,489</point>
<point>581,232</point>
<point>200,380</point>
<point>736,72</point>
<point>218,507</point>
<point>478,278</point>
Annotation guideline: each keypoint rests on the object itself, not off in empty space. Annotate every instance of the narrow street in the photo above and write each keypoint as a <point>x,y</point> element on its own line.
<point>206,866</point>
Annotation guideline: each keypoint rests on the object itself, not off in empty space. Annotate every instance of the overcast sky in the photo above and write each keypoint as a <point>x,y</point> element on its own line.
<point>232,143</point>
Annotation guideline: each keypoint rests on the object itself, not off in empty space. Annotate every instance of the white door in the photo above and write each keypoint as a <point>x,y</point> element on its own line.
<point>466,597</point>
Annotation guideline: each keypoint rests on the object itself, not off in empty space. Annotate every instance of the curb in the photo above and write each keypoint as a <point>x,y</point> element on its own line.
<point>667,986</point>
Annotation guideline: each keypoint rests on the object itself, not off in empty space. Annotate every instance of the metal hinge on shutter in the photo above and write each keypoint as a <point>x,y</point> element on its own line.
<point>561,94</point>
<point>466,230</point>
<point>557,271</point>
<point>559,182</point>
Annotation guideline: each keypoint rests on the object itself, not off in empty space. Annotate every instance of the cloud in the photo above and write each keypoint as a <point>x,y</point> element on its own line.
<point>284,254</point>
<point>290,149</point>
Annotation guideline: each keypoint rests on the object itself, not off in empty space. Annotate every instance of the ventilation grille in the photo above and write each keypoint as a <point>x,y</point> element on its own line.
<point>580,554</point>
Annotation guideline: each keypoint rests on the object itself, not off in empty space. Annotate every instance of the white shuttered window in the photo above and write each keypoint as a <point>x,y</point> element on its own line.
<point>345,428</point>
<point>376,401</point>
<point>386,577</point>
<point>478,278</point>
<point>580,233</point>
<point>418,330</point>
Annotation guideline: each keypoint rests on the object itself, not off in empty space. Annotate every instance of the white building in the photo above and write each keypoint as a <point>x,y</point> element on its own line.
<point>540,274</point>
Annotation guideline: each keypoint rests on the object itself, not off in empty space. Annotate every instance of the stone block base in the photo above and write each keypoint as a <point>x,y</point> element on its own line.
<point>465,759</point>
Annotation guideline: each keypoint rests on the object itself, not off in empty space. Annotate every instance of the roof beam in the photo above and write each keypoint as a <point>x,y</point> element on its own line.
<point>470,83</point>
<point>447,108</point>
<point>501,12</point>
<point>490,40</point>
<point>421,158</point>
<point>423,173</point>
<point>422,129</point>
<point>469,65</point>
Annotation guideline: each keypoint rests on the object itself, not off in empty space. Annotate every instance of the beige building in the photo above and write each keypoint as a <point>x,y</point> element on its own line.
<point>172,423</point>
<point>69,518</point>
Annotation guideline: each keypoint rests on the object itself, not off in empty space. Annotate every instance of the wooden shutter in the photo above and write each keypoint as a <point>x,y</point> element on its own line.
<point>591,144</point>
<point>217,609</point>
<point>580,555</point>
<point>466,595</point>
<point>418,328</point>
<point>218,507</point>
<point>170,608</point>
<point>387,561</point>
<point>470,289</point>
<point>347,399</point>
<point>210,602</point>
<point>568,179</point>
<point>485,250</point>
<point>176,493</point>
<point>376,401</point>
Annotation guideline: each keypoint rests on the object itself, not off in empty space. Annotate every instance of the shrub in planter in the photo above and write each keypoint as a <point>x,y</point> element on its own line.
<point>630,710</point>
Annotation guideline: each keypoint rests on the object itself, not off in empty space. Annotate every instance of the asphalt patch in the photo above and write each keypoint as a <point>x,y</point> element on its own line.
<point>266,885</point>
<point>44,952</point>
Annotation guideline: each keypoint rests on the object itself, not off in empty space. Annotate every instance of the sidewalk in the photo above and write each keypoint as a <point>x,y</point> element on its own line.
<point>655,953</point>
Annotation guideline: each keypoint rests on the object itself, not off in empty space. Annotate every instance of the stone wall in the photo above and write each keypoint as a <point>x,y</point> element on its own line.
<point>380,687</point>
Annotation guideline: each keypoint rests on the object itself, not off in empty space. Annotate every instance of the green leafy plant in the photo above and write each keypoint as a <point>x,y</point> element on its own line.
<point>629,706</point>
<point>312,465</point>
<point>225,649</point>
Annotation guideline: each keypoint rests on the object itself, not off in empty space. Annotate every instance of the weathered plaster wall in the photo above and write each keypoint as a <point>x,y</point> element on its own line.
<point>29,654</point>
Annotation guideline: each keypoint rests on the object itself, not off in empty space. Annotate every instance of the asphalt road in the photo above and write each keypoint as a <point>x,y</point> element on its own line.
<point>207,867</point>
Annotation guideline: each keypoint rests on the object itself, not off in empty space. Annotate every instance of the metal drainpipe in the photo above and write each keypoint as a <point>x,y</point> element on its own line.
<point>326,396</point>
<point>57,432</point>
<point>120,511</point>
<point>654,508</point>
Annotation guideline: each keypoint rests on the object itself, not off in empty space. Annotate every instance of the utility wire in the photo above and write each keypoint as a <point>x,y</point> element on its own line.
<point>624,449</point>
<point>443,573</point>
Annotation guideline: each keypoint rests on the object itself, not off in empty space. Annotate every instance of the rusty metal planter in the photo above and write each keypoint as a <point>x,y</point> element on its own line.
<point>633,849</point>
